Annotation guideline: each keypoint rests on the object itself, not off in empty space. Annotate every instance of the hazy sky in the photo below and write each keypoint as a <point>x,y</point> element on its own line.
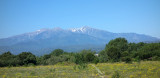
<point>138,16</point>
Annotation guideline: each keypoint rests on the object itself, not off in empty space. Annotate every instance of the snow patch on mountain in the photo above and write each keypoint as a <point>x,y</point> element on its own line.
<point>82,29</point>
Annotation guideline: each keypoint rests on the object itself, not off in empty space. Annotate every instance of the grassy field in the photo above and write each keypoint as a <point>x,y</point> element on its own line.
<point>145,69</point>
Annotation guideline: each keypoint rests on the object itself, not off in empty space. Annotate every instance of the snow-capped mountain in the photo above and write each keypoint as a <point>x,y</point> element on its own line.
<point>107,36</point>
<point>94,32</point>
<point>82,29</point>
<point>45,40</point>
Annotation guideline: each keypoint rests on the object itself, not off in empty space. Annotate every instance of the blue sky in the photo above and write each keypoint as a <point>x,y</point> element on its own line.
<point>138,16</point>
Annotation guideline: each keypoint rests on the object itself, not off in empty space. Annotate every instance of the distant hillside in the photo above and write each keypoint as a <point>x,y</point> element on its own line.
<point>43,41</point>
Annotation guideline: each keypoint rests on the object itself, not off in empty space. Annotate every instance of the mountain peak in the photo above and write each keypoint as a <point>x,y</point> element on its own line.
<point>85,27</point>
<point>57,28</point>
<point>81,29</point>
<point>43,29</point>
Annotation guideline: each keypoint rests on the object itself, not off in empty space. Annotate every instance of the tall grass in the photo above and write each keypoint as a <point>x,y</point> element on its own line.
<point>146,69</point>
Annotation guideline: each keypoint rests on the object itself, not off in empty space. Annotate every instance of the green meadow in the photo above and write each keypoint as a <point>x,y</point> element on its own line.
<point>144,69</point>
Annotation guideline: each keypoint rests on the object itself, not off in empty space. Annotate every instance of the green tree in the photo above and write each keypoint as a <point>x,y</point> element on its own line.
<point>149,50</point>
<point>79,58</point>
<point>57,52</point>
<point>26,58</point>
<point>103,57</point>
<point>7,59</point>
<point>120,43</point>
<point>125,54</point>
<point>89,57</point>
<point>113,53</point>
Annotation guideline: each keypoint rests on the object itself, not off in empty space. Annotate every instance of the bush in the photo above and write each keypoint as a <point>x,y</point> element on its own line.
<point>96,60</point>
<point>82,66</point>
<point>156,58</point>
<point>116,75</point>
<point>89,57</point>
<point>79,58</point>
<point>127,59</point>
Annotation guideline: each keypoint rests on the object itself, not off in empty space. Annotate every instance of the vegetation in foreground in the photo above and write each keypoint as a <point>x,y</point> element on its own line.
<point>117,50</point>
<point>145,69</point>
<point>118,59</point>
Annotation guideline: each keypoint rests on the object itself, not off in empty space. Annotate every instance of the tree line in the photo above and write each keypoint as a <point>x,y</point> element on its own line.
<point>117,50</point>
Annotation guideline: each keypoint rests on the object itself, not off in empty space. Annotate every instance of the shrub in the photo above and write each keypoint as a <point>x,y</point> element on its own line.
<point>127,59</point>
<point>156,58</point>
<point>116,75</point>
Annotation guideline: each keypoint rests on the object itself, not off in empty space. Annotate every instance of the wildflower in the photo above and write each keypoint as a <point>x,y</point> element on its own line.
<point>131,76</point>
<point>96,74</point>
<point>4,76</point>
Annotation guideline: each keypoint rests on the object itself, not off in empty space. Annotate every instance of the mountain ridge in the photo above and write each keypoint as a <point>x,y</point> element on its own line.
<point>84,38</point>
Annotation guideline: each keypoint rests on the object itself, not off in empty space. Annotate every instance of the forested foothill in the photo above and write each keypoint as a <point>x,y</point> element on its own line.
<point>117,50</point>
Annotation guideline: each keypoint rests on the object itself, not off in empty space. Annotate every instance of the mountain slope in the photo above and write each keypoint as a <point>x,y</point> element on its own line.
<point>43,41</point>
<point>107,36</point>
<point>46,39</point>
